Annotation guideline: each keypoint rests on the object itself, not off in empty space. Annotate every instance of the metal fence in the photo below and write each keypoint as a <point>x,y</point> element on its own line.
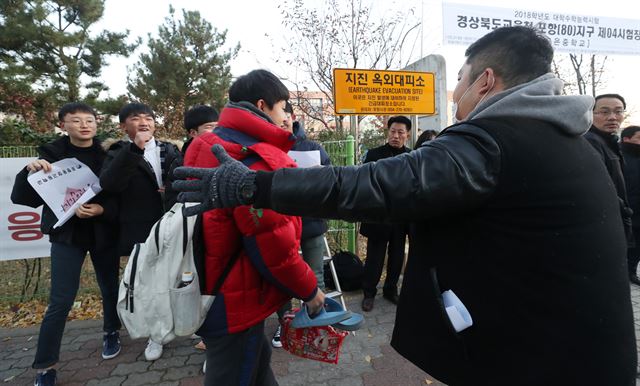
<point>27,279</point>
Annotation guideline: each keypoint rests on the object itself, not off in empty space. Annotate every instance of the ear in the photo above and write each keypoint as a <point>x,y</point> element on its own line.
<point>61,125</point>
<point>625,139</point>
<point>261,104</point>
<point>489,83</point>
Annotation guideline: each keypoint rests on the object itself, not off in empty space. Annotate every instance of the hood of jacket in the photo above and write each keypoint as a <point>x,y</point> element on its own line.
<point>108,144</point>
<point>247,119</point>
<point>540,99</point>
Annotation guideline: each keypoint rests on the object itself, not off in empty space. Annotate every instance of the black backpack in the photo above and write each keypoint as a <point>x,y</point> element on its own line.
<point>350,270</point>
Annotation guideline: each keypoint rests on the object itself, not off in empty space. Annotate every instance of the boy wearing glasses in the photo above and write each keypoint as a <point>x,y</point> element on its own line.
<point>90,230</point>
<point>608,114</point>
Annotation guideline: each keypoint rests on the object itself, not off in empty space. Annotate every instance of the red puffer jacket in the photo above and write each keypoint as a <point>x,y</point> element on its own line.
<point>269,270</point>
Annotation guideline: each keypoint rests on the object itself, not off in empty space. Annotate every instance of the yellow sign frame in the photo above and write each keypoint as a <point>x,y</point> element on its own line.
<point>383,92</point>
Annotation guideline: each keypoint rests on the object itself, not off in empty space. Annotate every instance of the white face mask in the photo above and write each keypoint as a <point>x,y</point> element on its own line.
<point>454,105</point>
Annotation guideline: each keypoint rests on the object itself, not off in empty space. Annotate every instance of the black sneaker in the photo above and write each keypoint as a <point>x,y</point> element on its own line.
<point>46,378</point>
<point>276,342</point>
<point>111,345</point>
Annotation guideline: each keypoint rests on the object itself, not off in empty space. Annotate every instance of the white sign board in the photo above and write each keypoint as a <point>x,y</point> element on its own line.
<point>69,184</point>
<point>20,236</point>
<point>466,23</point>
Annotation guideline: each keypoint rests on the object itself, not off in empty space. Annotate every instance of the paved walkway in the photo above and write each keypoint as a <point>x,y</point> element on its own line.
<point>366,359</point>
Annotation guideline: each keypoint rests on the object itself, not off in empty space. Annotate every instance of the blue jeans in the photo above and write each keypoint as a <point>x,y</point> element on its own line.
<point>313,250</point>
<point>66,264</point>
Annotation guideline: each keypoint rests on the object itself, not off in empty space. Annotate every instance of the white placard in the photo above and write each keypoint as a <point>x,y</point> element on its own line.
<point>69,184</point>
<point>466,23</point>
<point>20,236</point>
<point>306,159</point>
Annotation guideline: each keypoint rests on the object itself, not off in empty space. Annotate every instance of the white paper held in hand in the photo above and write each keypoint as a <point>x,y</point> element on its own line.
<point>69,184</point>
<point>306,159</point>
<point>457,312</point>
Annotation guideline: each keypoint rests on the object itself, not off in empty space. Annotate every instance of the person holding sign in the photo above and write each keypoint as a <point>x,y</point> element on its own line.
<point>90,230</point>
<point>518,272</point>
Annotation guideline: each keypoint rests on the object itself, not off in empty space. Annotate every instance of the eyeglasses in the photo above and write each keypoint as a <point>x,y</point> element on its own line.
<point>607,112</point>
<point>78,122</point>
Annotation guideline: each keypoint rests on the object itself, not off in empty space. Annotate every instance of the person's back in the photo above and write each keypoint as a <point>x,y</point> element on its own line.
<point>537,245</point>
<point>268,270</point>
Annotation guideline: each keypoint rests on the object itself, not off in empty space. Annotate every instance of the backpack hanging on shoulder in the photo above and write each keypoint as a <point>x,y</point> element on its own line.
<point>150,304</point>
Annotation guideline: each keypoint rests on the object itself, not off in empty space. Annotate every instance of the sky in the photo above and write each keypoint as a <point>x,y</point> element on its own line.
<point>257,25</point>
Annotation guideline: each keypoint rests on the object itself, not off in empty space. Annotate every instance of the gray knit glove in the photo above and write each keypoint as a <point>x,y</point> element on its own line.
<point>228,185</point>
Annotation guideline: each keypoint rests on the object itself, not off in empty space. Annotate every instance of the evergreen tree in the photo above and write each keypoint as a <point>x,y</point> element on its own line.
<point>47,54</point>
<point>185,66</point>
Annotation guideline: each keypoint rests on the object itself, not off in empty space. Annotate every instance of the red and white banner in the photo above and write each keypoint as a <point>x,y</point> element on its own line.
<point>20,236</point>
<point>466,23</point>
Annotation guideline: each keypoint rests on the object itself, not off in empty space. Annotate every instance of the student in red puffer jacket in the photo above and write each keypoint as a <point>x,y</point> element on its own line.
<point>269,270</point>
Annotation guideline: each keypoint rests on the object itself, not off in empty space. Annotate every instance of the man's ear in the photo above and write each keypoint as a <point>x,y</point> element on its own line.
<point>261,104</point>
<point>490,81</point>
<point>624,139</point>
<point>61,125</point>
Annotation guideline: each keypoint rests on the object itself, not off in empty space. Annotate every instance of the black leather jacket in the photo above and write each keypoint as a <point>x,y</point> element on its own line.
<point>453,173</point>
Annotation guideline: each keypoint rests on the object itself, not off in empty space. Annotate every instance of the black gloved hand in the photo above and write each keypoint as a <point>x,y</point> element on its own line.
<point>225,186</point>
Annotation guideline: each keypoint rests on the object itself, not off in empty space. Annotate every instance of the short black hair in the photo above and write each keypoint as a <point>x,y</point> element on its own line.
<point>516,54</point>
<point>629,131</point>
<point>256,85</point>
<point>74,107</point>
<point>288,108</point>
<point>134,108</point>
<point>399,119</point>
<point>198,115</point>
<point>425,136</point>
<point>616,96</point>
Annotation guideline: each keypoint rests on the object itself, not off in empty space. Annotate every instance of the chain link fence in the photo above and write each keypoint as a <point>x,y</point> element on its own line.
<point>28,279</point>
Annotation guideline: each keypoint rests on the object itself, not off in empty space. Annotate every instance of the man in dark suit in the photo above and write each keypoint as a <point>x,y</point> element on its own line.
<point>381,237</point>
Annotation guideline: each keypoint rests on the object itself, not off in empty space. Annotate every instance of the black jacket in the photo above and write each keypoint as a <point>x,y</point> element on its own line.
<point>631,156</point>
<point>523,228</point>
<point>104,226</point>
<point>607,147</point>
<point>311,227</point>
<point>378,230</point>
<point>126,174</point>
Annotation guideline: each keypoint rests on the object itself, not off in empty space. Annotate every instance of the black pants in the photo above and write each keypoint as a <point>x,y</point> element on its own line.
<point>240,359</point>
<point>633,254</point>
<point>66,265</point>
<point>392,243</point>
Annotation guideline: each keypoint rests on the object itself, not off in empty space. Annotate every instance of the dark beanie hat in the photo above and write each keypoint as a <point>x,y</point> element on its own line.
<point>198,115</point>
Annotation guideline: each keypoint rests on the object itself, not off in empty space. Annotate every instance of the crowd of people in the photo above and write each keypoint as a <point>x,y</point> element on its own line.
<point>526,211</point>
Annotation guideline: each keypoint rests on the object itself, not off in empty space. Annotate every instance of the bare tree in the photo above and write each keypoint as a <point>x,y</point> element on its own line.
<point>343,34</point>
<point>585,71</point>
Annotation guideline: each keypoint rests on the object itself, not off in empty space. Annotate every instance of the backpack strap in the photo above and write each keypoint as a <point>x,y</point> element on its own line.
<point>225,273</point>
<point>132,278</point>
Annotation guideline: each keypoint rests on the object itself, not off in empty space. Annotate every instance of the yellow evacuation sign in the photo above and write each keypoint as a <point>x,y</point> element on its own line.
<point>379,92</point>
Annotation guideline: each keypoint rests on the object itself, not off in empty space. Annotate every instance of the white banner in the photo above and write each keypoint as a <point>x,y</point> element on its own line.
<point>20,236</point>
<point>466,23</point>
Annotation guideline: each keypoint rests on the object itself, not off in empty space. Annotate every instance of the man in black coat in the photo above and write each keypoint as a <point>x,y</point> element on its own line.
<point>381,238</point>
<point>630,148</point>
<point>136,170</point>
<point>518,275</point>
<point>608,114</point>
